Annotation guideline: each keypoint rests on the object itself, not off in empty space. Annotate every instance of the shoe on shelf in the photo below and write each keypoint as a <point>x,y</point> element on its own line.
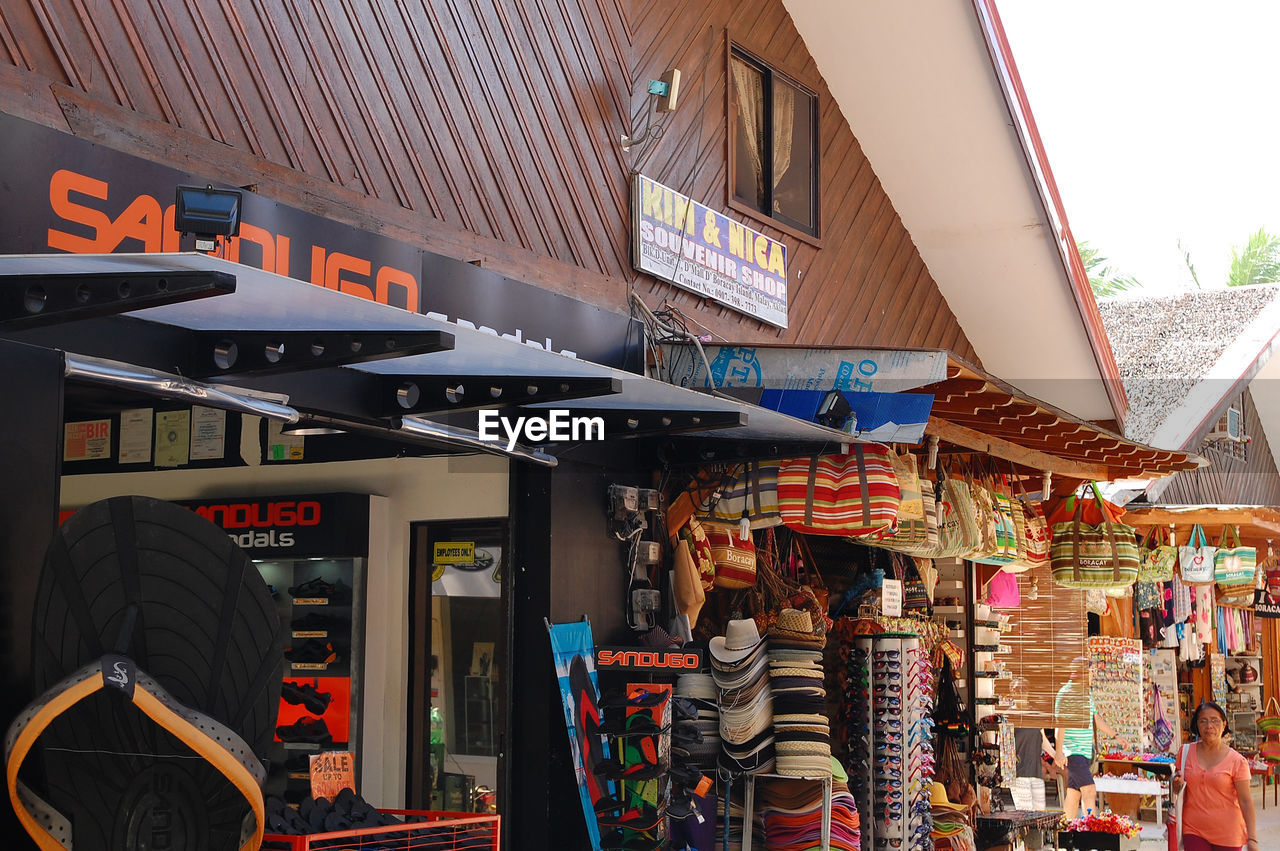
<point>314,701</point>
<point>312,650</point>
<point>312,730</point>
<point>335,592</point>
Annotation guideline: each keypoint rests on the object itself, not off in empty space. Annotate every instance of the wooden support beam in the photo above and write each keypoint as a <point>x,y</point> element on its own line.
<point>1259,522</point>
<point>1020,455</point>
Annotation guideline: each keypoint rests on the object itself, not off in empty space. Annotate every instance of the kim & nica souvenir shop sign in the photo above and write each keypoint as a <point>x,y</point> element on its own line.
<point>694,247</point>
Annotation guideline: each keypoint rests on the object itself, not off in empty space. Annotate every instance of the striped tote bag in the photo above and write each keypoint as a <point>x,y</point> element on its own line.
<point>851,494</point>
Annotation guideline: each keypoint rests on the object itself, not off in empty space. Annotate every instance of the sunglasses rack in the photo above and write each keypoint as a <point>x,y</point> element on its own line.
<point>891,760</point>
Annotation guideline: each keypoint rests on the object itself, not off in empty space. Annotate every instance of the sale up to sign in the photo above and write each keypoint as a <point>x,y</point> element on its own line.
<point>331,773</point>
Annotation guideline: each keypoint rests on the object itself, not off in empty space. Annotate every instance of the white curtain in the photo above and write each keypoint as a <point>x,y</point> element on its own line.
<point>748,83</point>
<point>784,113</point>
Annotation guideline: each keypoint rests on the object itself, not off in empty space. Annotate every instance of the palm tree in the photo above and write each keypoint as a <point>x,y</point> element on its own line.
<point>1258,262</point>
<point>1104,280</point>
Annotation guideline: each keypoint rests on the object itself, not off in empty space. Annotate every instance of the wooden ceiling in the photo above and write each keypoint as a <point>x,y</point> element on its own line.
<point>978,411</point>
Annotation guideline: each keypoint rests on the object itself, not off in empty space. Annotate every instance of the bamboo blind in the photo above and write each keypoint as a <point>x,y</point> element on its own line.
<point>1048,634</point>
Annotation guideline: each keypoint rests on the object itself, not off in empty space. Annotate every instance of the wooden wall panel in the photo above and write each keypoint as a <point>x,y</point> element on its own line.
<point>485,129</point>
<point>1228,481</point>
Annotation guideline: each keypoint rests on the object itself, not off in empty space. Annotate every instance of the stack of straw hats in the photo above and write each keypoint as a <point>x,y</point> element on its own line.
<point>802,732</point>
<point>739,666</point>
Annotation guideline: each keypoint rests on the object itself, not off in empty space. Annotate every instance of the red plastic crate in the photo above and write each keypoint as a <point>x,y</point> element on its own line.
<point>442,831</point>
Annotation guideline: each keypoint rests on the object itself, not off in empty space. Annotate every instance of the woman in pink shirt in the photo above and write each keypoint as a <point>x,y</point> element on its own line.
<point>1217,814</point>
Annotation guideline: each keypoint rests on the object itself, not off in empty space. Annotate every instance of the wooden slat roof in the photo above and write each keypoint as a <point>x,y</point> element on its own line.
<point>979,411</point>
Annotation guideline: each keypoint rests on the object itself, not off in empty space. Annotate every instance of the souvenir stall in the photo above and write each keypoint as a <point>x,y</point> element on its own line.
<point>1220,608</point>
<point>827,640</point>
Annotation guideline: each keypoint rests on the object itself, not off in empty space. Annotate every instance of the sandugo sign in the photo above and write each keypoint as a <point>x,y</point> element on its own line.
<point>694,247</point>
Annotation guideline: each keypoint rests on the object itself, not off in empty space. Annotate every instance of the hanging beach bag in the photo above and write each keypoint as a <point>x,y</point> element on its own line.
<point>750,492</point>
<point>1158,559</point>
<point>984,518</point>
<point>735,558</point>
<point>1003,526</point>
<point>917,536</point>
<point>1195,560</point>
<point>1032,529</point>
<point>1234,565</point>
<point>1086,556</point>
<point>910,501</point>
<point>957,528</point>
<point>852,494</point>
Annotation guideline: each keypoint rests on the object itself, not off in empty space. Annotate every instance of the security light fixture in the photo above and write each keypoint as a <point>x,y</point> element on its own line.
<point>208,213</point>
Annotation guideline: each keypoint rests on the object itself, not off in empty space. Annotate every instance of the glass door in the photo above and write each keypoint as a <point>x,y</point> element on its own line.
<point>456,664</point>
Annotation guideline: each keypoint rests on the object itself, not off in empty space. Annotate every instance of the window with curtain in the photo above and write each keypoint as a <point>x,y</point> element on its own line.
<point>774,133</point>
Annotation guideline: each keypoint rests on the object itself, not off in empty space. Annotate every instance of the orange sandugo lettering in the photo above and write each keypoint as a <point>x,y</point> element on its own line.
<point>334,279</point>
<point>61,185</point>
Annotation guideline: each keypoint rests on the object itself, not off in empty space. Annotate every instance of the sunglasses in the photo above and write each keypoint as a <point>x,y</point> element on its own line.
<point>888,654</point>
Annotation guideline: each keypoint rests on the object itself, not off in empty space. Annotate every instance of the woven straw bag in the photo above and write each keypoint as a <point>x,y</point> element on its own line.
<point>1104,556</point>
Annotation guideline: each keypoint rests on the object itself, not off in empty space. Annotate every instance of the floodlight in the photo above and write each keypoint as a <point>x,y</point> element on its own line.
<point>208,213</point>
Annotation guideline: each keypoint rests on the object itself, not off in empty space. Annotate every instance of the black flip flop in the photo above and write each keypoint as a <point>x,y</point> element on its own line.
<point>169,590</point>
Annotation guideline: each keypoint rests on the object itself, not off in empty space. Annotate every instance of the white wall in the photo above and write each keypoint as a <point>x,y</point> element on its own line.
<point>416,489</point>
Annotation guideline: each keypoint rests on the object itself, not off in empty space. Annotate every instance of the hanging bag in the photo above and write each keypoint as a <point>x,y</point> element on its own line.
<point>1031,528</point>
<point>1004,531</point>
<point>957,527</point>
<point>735,558</point>
<point>985,519</point>
<point>1104,556</point>
<point>1195,559</point>
<point>916,532</point>
<point>1269,748</point>
<point>910,503</point>
<point>1234,565</point>
<point>1157,559</point>
<point>694,535</point>
<point>1269,722</point>
<point>1161,731</point>
<point>851,494</point>
<point>749,492</point>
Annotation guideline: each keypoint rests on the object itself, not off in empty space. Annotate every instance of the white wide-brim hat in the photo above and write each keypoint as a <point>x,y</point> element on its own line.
<point>739,639</point>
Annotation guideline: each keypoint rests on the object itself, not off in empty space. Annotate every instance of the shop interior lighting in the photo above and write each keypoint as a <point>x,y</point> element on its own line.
<point>208,213</point>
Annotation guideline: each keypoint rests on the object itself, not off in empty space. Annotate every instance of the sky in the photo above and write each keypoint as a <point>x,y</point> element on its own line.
<point>1161,121</point>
